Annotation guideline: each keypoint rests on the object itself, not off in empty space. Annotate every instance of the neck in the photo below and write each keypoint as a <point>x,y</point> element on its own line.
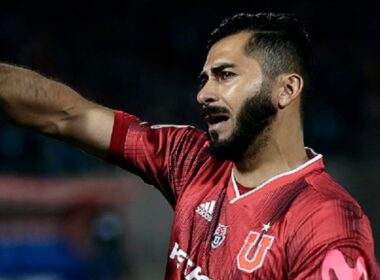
<point>278,149</point>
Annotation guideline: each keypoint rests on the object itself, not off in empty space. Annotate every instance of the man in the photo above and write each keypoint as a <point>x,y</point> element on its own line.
<point>250,201</point>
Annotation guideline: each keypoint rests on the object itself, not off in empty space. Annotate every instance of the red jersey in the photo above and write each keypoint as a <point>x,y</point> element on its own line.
<point>298,225</point>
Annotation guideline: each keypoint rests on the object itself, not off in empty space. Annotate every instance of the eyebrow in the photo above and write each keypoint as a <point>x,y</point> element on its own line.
<point>217,69</point>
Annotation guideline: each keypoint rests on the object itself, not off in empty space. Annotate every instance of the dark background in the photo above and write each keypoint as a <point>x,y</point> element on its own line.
<point>144,57</point>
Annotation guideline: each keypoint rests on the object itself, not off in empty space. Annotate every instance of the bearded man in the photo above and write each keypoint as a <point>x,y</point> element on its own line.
<point>251,202</point>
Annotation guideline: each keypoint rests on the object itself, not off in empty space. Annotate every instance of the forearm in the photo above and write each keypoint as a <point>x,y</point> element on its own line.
<point>31,100</point>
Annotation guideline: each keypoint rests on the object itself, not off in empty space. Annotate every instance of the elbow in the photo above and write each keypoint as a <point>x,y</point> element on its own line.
<point>56,125</point>
<point>51,128</point>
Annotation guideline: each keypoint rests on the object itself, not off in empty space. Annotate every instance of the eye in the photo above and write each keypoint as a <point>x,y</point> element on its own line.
<point>224,75</point>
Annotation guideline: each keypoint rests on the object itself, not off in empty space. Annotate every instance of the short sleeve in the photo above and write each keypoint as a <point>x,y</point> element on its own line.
<point>333,242</point>
<point>162,155</point>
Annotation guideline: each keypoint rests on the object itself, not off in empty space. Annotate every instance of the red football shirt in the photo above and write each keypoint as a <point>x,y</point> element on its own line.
<point>298,225</point>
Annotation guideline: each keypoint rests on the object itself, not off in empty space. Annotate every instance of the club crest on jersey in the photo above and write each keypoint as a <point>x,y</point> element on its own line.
<point>254,250</point>
<point>219,236</point>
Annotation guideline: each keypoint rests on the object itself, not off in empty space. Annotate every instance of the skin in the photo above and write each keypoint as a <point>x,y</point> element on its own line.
<point>241,78</point>
<point>30,100</point>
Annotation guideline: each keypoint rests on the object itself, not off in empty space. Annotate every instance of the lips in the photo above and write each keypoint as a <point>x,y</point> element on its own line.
<point>215,114</point>
<point>213,119</point>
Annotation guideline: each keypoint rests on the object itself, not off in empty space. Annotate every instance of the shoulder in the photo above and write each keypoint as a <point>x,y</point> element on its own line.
<point>321,191</point>
<point>327,188</point>
<point>325,209</point>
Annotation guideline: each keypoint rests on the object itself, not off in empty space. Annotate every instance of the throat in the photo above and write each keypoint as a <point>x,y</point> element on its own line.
<point>254,156</point>
<point>254,171</point>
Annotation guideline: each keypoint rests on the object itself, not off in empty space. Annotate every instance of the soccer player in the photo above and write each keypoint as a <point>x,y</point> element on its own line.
<point>251,202</point>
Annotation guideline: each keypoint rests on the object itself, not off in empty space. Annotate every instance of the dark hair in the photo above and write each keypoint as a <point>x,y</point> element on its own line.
<point>278,42</point>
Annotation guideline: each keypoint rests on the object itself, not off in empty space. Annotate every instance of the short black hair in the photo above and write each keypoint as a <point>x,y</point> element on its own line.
<point>279,42</point>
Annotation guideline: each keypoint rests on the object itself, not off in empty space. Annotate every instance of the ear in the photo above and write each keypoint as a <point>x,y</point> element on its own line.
<point>291,86</point>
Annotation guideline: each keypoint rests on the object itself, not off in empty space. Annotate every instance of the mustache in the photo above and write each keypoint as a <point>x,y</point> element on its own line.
<point>211,110</point>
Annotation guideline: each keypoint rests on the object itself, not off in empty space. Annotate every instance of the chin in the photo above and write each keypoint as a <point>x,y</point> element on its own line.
<point>218,137</point>
<point>224,148</point>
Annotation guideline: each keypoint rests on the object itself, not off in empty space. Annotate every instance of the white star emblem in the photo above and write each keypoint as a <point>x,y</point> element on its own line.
<point>266,227</point>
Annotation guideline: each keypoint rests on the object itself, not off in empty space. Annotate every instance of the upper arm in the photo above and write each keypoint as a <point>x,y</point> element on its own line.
<point>335,239</point>
<point>162,155</point>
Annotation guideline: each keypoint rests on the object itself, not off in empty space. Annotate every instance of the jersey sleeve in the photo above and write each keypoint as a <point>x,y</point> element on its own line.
<point>162,155</point>
<point>333,242</point>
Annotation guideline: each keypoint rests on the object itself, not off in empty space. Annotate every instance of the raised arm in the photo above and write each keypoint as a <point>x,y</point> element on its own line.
<point>30,100</point>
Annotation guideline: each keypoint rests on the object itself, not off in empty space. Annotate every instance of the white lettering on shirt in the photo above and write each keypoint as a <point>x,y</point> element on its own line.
<point>178,254</point>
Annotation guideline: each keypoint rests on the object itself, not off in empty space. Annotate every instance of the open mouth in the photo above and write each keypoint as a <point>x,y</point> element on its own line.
<point>216,118</point>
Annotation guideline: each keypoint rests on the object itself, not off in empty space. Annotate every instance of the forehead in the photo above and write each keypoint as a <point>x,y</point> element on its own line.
<point>231,50</point>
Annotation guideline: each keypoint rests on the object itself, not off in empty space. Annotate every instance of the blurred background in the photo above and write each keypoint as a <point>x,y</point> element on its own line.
<point>67,215</point>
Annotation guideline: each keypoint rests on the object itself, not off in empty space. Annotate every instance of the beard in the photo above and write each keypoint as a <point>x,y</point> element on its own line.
<point>253,123</point>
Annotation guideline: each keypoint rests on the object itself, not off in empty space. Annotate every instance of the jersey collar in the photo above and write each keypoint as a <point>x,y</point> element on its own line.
<point>315,163</point>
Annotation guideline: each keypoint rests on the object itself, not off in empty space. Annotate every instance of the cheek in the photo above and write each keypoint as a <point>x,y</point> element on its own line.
<point>231,98</point>
<point>231,91</point>
<point>254,86</point>
<point>236,94</point>
<point>248,87</point>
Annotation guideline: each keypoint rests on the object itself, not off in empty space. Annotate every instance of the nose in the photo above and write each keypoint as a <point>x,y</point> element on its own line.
<point>208,94</point>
